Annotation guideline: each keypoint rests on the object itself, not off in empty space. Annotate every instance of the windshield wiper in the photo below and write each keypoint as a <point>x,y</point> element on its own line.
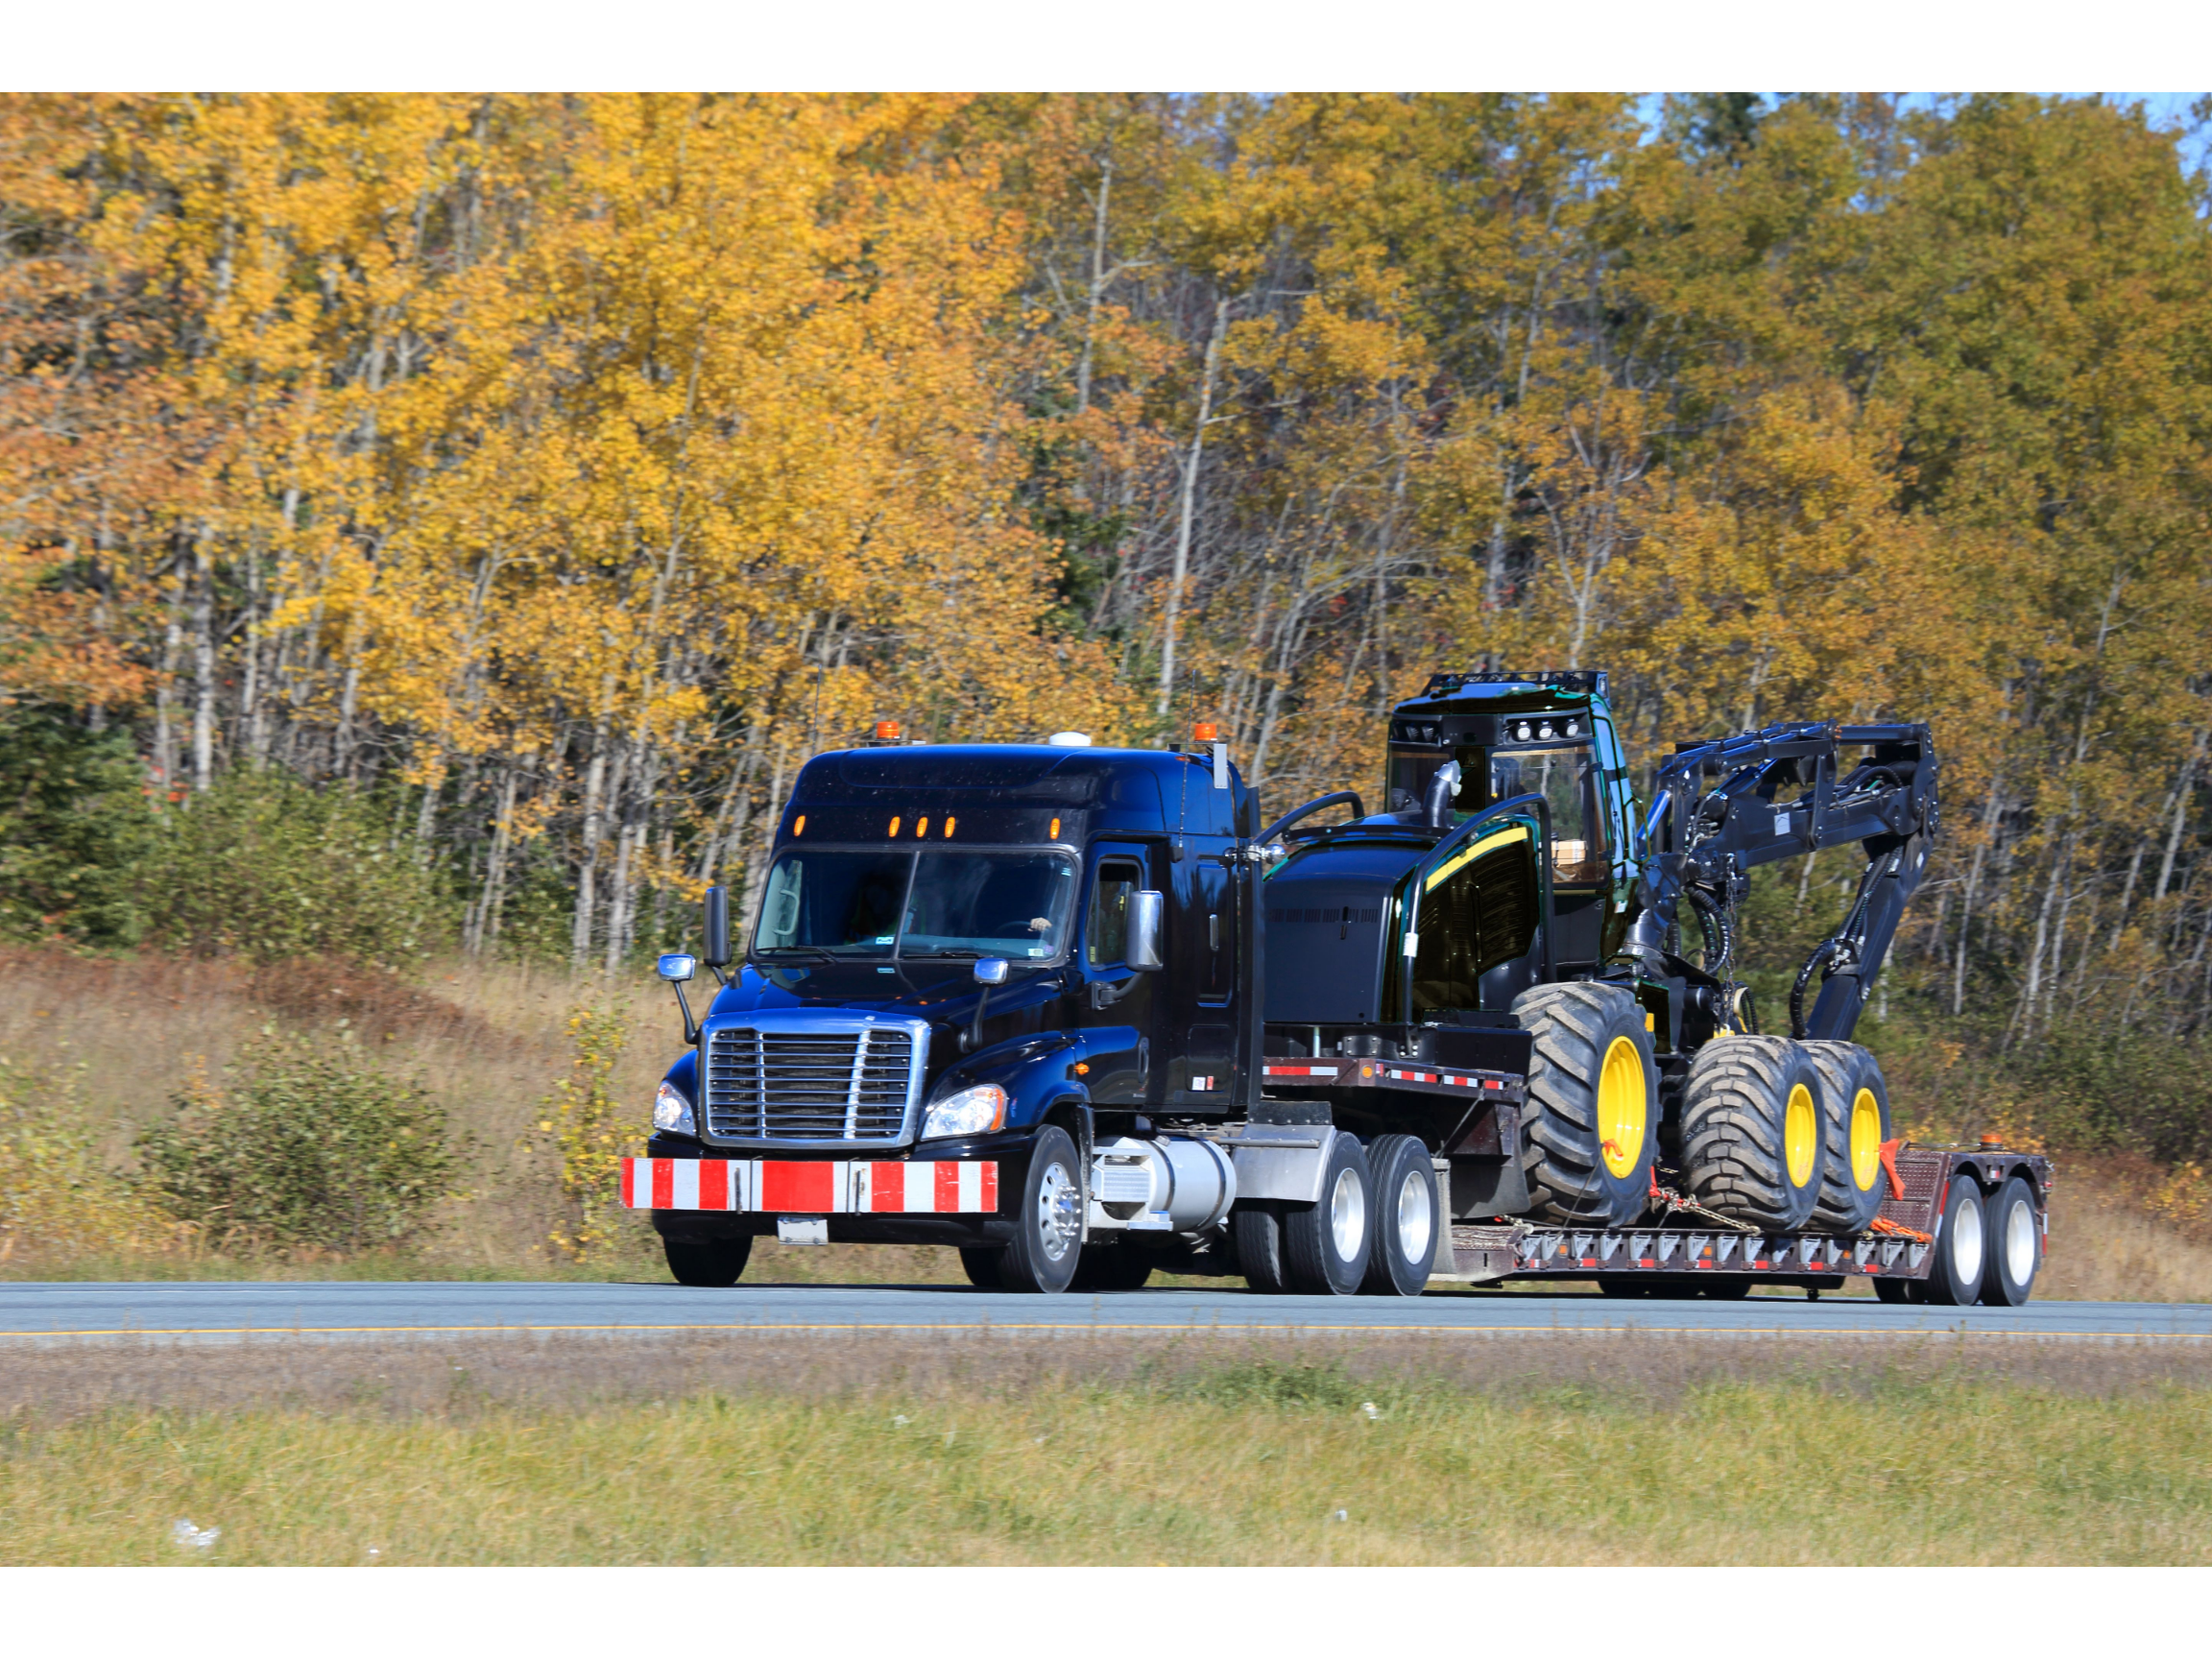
<point>817,953</point>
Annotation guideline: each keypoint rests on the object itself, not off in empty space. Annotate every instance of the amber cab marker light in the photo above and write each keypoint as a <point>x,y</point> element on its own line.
<point>799,828</point>
<point>894,829</point>
<point>1206,732</point>
<point>886,731</point>
<point>921,828</point>
<point>948,823</point>
<point>1053,834</point>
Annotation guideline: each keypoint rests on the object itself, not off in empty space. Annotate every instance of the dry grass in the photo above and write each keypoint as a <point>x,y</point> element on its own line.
<point>488,1039</point>
<point>1531,1449</point>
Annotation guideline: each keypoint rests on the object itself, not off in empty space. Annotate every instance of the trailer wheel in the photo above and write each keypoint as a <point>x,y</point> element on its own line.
<point>709,1263</point>
<point>1729,1289</point>
<point>980,1263</point>
<point>1623,1287</point>
<point>1591,1124</point>
<point>1407,1225</point>
<point>1751,1130</point>
<point>1257,1228</point>
<point>1961,1246</point>
<point>1855,1121</point>
<point>1048,1222</point>
<point>1894,1291</point>
<point>1325,1245</point>
<point>1115,1265</point>
<point>2013,1247</point>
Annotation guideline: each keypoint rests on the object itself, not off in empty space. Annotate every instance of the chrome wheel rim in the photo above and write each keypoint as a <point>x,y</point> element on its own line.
<point>1059,1211</point>
<point>1347,1213</point>
<point>2020,1240</point>
<point>1416,1217</point>
<point>1966,1242</point>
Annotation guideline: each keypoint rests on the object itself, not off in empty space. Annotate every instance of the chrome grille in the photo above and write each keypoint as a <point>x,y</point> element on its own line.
<point>810,1082</point>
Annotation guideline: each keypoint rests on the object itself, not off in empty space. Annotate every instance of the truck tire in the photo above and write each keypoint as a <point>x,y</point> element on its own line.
<point>709,1263</point>
<point>1591,1122</point>
<point>980,1263</point>
<point>1751,1130</point>
<point>1325,1245</point>
<point>1406,1224</point>
<point>1733,1288</point>
<point>1962,1247</point>
<point>1855,1123</point>
<point>2012,1245</point>
<point>1895,1292</point>
<point>1047,1221</point>
<point>1257,1231</point>
<point>1115,1265</point>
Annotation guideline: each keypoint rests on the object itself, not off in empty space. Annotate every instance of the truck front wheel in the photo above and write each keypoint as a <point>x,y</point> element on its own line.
<point>710,1264</point>
<point>1048,1222</point>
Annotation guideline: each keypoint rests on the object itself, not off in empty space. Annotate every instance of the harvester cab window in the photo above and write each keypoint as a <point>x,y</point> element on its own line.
<point>1567,777</point>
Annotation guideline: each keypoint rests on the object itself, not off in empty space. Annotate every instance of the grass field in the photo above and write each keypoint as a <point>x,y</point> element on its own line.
<point>1542,1449</point>
<point>122,1035</point>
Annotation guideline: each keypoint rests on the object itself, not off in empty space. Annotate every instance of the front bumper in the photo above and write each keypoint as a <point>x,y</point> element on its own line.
<point>765,1186</point>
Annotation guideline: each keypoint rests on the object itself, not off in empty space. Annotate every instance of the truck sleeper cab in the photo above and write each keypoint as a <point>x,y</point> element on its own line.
<point>965,959</point>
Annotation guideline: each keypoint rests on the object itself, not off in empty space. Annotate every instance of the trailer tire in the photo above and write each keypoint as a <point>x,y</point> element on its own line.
<point>1855,1123</point>
<point>1729,1289</point>
<point>2012,1245</point>
<point>708,1263</point>
<point>1326,1244</point>
<point>1590,1125</point>
<point>1623,1287</point>
<point>1751,1130</point>
<point>1894,1291</point>
<point>1961,1246</point>
<point>1407,1225</point>
<point>980,1263</point>
<point>1115,1265</point>
<point>1047,1221</point>
<point>1257,1228</point>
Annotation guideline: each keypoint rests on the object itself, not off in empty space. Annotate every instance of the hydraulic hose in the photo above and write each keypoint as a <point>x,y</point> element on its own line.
<point>1712,922</point>
<point>1827,951</point>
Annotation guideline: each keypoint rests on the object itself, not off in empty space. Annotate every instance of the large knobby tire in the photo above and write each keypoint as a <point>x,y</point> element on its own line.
<point>2013,1245</point>
<point>1962,1247</point>
<point>1855,1123</point>
<point>1751,1130</point>
<point>1406,1224</point>
<point>1325,1244</point>
<point>1257,1228</point>
<point>1113,1266</point>
<point>1591,1122</point>
<point>980,1263</point>
<point>1048,1220</point>
<point>709,1263</point>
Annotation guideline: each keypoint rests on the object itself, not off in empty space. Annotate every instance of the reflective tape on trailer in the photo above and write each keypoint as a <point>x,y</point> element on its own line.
<point>828,1187</point>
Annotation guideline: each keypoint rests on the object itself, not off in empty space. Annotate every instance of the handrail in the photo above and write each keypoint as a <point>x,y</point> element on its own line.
<point>1297,812</point>
<point>1436,855</point>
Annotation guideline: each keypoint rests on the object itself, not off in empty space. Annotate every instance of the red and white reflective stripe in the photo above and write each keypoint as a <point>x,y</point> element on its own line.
<point>1301,1071</point>
<point>1444,1077</point>
<point>942,1186</point>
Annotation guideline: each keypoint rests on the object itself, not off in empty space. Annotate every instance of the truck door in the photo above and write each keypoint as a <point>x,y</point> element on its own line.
<point>1116,998</point>
<point>1203,1069</point>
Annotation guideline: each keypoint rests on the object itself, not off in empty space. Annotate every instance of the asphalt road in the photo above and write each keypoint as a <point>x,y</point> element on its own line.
<point>219,1312</point>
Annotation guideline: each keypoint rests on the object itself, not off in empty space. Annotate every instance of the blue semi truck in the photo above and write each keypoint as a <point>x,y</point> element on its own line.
<point>1080,1014</point>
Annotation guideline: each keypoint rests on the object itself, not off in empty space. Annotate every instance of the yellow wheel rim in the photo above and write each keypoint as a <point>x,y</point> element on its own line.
<point>1622,1107</point>
<point>1801,1134</point>
<point>1866,1139</point>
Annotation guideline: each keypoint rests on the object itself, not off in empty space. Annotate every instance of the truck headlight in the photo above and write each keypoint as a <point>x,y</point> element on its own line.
<point>671,1110</point>
<point>975,1111</point>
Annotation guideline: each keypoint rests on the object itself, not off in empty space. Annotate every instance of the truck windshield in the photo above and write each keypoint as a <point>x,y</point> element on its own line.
<point>925,902</point>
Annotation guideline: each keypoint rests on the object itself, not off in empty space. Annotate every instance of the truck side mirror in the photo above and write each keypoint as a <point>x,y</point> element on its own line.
<point>677,968</point>
<point>1146,911</point>
<point>718,927</point>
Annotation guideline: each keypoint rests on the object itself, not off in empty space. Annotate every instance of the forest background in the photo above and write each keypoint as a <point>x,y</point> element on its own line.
<point>438,528</point>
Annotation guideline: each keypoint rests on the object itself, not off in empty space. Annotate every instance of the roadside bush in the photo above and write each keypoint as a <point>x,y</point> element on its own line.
<point>317,1149</point>
<point>57,1194</point>
<point>593,1130</point>
<point>267,867</point>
